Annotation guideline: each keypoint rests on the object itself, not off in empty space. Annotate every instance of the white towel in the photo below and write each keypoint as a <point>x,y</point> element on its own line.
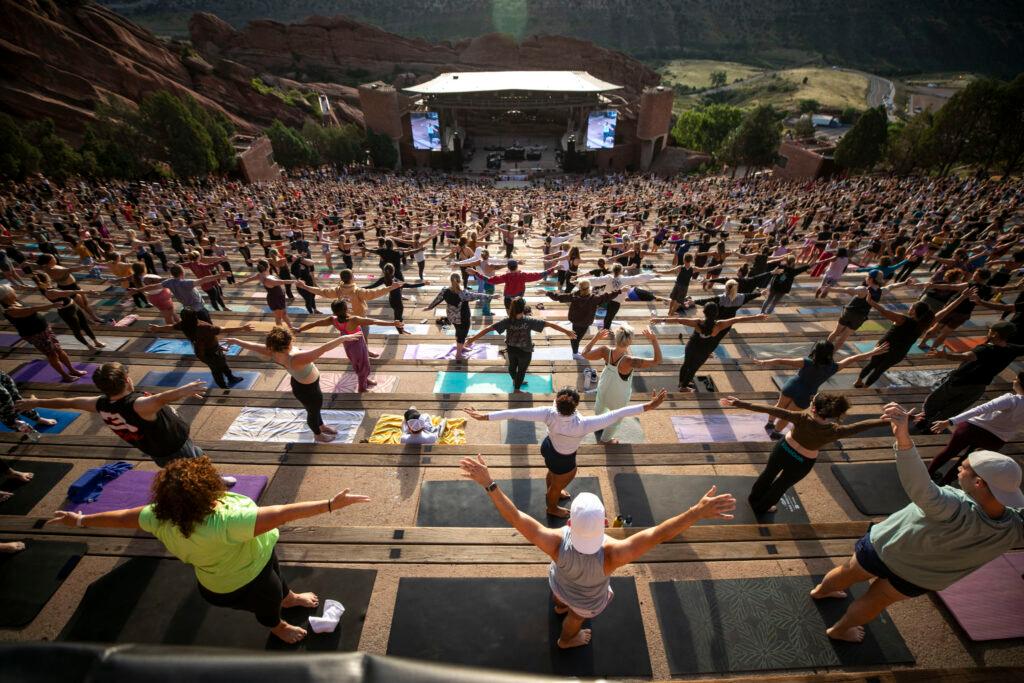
<point>329,621</point>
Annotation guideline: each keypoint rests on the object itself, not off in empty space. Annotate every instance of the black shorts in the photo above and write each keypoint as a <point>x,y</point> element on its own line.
<point>555,461</point>
<point>853,320</point>
<point>869,560</point>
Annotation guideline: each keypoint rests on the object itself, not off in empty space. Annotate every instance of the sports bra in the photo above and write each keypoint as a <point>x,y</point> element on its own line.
<point>616,366</point>
<point>306,375</point>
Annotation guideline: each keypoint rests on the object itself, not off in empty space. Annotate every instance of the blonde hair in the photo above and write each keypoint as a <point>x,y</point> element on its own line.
<point>731,285</point>
<point>6,293</point>
<point>583,285</point>
<point>623,335</point>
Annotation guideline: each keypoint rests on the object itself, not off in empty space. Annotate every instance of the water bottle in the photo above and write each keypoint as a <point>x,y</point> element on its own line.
<point>586,379</point>
<point>28,431</point>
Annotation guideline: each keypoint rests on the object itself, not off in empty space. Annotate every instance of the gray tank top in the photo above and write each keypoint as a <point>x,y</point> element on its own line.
<point>579,579</point>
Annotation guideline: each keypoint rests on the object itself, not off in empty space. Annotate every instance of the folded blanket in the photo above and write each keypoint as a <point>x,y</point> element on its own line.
<point>388,430</point>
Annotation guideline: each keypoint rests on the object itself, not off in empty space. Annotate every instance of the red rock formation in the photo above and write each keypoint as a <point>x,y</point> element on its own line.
<point>62,61</point>
<point>338,45</point>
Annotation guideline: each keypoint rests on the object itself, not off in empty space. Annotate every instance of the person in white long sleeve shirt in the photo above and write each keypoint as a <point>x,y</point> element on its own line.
<point>566,429</point>
<point>988,426</point>
<point>618,281</point>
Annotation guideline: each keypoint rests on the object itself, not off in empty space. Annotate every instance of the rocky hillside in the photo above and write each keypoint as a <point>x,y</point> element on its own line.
<point>340,49</point>
<point>875,35</point>
<point>60,60</point>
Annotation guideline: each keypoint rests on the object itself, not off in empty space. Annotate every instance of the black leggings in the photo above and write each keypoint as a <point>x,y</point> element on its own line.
<point>262,596</point>
<point>310,300</point>
<point>218,364</point>
<point>312,399</point>
<point>784,469</point>
<point>610,311</point>
<point>906,270</point>
<point>462,331</point>
<point>876,367</point>
<point>692,362</point>
<point>217,299</point>
<point>518,363</point>
<point>421,265</point>
<point>76,322</point>
<point>163,259</point>
<point>581,332</point>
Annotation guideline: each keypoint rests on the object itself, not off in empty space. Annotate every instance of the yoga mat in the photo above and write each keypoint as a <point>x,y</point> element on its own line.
<point>874,487</point>
<point>820,310</point>
<point>988,602</point>
<point>346,383</point>
<point>461,503</point>
<point>913,378</point>
<point>961,344</point>
<point>292,310</point>
<point>729,626</point>
<point>447,352</point>
<point>28,494</point>
<point>134,488</point>
<point>68,341</point>
<point>179,378</point>
<point>629,431</point>
<point>668,351</point>
<point>40,371</point>
<point>63,418</point>
<point>510,623</point>
<point>552,353</point>
<point>519,432</point>
<point>488,383</point>
<point>840,381</point>
<point>9,340</point>
<point>735,425</point>
<point>30,578</point>
<point>873,326</point>
<point>652,498</point>
<point>153,601</point>
<point>288,425</point>
<point>774,350</point>
<point>183,347</point>
<point>411,328</point>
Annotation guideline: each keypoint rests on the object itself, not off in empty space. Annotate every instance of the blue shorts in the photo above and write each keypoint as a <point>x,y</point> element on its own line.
<point>869,560</point>
<point>555,461</point>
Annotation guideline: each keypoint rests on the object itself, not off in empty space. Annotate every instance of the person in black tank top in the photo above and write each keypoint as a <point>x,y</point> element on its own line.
<point>145,421</point>
<point>900,337</point>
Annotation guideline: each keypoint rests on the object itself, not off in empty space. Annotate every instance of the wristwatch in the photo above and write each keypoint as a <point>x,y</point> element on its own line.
<point>490,487</point>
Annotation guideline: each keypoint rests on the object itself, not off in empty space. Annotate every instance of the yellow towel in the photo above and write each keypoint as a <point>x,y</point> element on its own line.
<point>388,430</point>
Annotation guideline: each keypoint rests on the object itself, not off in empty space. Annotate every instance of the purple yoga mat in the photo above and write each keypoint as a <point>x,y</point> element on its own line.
<point>9,340</point>
<point>132,489</point>
<point>40,371</point>
<point>988,602</point>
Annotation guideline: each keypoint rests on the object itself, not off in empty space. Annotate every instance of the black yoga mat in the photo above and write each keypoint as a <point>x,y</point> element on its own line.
<point>645,384</point>
<point>28,579</point>
<point>837,382</point>
<point>149,600</point>
<point>874,487</point>
<point>27,495</point>
<point>511,624</point>
<point>729,626</point>
<point>652,498</point>
<point>464,503</point>
<point>520,432</point>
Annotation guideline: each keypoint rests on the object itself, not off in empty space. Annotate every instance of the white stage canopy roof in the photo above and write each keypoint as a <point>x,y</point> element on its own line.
<point>495,81</point>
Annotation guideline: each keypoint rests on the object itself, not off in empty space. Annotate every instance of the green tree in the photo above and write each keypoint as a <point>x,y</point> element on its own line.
<point>1011,143</point>
<point>382,150</point>
<point>808,106</point>
<point>58,159</point>
<point>863,145</point>
<point>850,115</point>
<point>220,130</point>
<point>704,128</point>
<point>911,146</point>
<point>804,127</point>
<point>964,130</point>
<point>175,135</point>
<point>18,157</point>
<point>116,143</point>
<point>755,142</point>
<point>290,149</point>
<point>718,79</point>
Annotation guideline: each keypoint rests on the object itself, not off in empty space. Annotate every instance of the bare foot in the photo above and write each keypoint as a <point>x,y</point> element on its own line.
<point>98,343</point>
<point>20,476</point>
<point>45,422</point>
<point>563,494</point>
<point>858,385</point>
<point>581,638</point>
<point>5,496</point>
<point>850,635</point>
<point>561,610</point>
<point>818,595</point>
<point>611,442</point>
<point>12,547</point>
<point>288,633</point>
<point>370,383</point>
<point>78,373</point>
<point>773,509</point>
<point>294,599</point>
<point>559,511</point>
<point>68,378</point>
<point>373,354</point>
<point>328,428</point>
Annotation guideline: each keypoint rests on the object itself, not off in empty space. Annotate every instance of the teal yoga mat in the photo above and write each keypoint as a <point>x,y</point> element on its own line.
<point>488,383</point>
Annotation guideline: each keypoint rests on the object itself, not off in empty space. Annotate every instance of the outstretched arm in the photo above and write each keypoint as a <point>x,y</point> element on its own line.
<point>785,362</point>
<point>148,406</point>
<point>272,516</point>
<point>877,351</point>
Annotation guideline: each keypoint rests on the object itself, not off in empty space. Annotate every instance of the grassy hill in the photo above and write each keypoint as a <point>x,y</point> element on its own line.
<point>833,89</point>
<point>913,36</point>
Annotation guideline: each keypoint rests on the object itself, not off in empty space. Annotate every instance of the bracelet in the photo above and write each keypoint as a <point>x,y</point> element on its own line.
<point>490,487</point>
<point>329,505</point>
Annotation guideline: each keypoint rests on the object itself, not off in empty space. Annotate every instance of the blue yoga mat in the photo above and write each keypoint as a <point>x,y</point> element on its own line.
<point>863,346</point>
<point>292,310</point>
<point>183,347</point>
<point>63,418</point>
<point>820,309</point>
<point>668,351</point>
<point>178,378</point>
<point>488,383</point>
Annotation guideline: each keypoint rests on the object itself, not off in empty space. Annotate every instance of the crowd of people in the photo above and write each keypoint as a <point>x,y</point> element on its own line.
<point>957,245</point>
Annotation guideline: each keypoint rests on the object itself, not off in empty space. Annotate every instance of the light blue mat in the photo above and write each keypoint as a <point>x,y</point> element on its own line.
<point>488,383</point>
<point>183,347</point>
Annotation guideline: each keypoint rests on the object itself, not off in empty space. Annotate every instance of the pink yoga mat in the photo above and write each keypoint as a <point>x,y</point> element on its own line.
<point>731,426</point>
<point>447,352</point>
<point>347,383</point>
<point>133,489</point>
<point>989,602</point>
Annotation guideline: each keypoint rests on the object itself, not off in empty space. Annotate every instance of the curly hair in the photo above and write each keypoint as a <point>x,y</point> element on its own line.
<point>186,491</point>
<point>278,339</point>
<point>830,405</point>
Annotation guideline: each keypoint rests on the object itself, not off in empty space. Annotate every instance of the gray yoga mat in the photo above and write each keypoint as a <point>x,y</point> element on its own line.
<point>462,503</point>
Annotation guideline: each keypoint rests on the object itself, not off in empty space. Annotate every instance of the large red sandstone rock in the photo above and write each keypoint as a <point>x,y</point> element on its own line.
<point>338,45</point>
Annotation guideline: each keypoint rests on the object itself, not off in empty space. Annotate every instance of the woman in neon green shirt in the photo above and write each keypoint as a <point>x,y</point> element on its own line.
<point>226,537</point>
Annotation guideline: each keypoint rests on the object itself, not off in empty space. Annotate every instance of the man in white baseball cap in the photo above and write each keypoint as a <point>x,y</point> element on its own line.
<point>943,535</point>
<point>582,556</point>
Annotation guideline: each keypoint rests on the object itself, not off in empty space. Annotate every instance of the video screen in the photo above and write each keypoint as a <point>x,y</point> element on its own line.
<point>426,130</point>
<point>601,129</point>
